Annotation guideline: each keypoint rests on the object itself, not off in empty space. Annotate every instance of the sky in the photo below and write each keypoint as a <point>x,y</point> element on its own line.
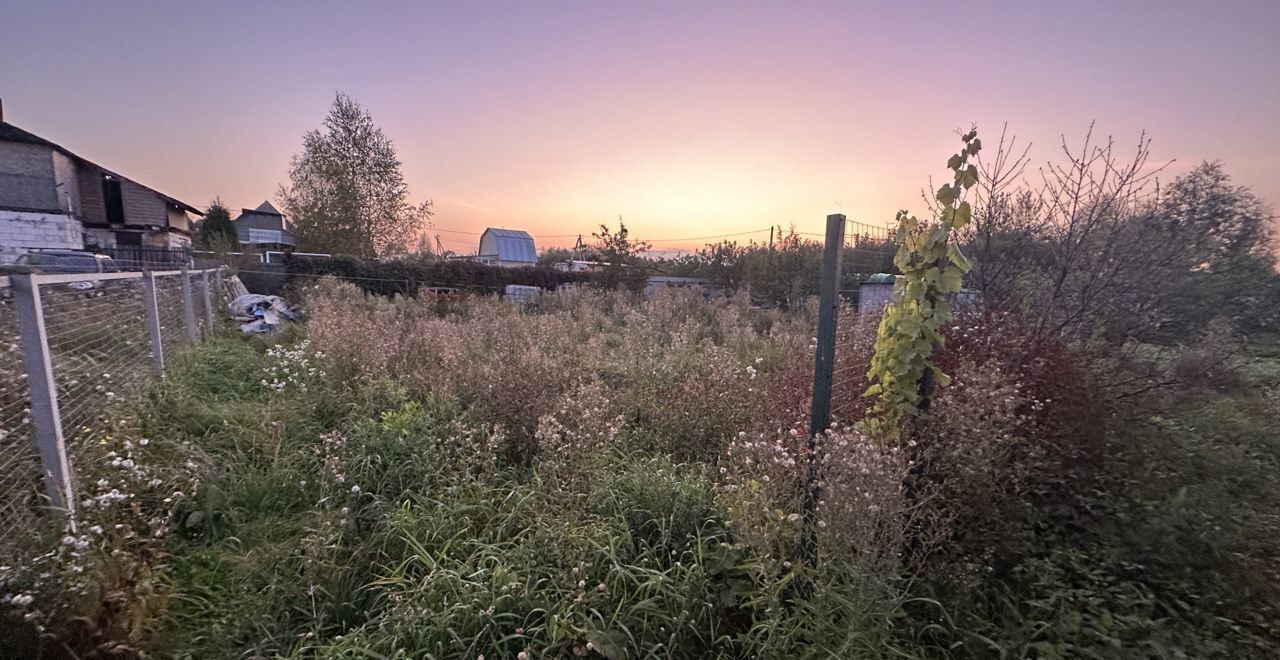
<point>685,119</point>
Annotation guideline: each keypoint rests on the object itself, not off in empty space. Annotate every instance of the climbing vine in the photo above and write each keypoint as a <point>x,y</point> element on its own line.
<point>902,370</point>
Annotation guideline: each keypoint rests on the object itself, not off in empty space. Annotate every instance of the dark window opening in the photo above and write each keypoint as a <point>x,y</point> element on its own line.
<point>128,239</point>
<point>112,200</point>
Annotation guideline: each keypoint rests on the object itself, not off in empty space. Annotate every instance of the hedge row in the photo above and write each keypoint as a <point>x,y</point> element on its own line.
<point>408,277</point>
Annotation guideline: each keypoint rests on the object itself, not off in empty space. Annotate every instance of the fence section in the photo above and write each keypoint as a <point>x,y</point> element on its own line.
<point>72,347</point>
<point>19,458</point>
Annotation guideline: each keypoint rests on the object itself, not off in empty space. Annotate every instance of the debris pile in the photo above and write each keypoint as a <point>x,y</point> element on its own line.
<point>259,313</point>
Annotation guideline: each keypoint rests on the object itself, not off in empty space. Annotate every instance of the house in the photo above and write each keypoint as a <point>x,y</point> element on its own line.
<point>51,198</point>
<point>511,248</point>
<point>264,228</point>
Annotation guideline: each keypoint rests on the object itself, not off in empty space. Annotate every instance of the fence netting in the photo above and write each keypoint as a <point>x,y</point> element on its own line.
<point>100,345</point>
<point>866,257</point>
<point>169,306</point>
<point>99,348</point>
<point>20,481</point>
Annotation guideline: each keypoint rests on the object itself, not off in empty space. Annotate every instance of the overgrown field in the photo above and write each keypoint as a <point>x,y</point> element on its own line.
<point>609,477</point>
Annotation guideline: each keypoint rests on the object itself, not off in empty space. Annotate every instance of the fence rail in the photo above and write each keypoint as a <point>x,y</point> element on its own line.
<point>72,348</point>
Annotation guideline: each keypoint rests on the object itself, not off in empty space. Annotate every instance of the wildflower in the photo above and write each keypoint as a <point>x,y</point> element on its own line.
<point>355,490</point>
<point>522,656</point>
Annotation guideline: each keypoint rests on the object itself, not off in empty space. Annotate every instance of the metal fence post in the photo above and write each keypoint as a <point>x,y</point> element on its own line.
<point>823,373</point>
<point>153,319</point>
<point>189,307</point>
<point>45,416</point>
<point>208,302</point>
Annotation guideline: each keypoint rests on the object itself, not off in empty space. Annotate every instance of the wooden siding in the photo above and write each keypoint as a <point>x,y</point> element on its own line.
<point>142,206</point>
<point>178,219</point>
<point>92,211</point>
<point>68,182</point>
<point>27,182</point>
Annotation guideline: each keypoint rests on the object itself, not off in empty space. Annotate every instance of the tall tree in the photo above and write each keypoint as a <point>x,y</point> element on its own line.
<point>346,193</point>
<point>216,231</point>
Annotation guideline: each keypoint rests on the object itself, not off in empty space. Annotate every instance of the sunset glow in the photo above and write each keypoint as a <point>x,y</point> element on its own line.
<point>686,119</point>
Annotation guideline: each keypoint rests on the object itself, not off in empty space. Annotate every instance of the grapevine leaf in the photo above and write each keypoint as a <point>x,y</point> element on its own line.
<point>957,257</point>
<point>962,215</point>
<point>946,195</point>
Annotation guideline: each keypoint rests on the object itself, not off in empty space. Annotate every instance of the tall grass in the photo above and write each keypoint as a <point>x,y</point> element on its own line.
<point>607,477</point>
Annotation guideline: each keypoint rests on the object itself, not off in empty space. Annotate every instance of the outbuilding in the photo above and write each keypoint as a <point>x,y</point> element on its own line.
<point>511,248</point>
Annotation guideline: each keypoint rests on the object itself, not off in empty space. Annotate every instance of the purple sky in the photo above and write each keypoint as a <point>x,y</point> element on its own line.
<point>688,119</point>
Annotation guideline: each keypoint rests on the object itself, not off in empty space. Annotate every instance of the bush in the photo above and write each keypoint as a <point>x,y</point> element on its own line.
<point>407,278</point>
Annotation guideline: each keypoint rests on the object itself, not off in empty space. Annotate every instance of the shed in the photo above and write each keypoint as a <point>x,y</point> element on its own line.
<point>875,293</point>
<point>507,247</point>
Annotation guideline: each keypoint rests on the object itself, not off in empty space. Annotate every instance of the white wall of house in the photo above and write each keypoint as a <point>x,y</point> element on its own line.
<point>21,232</point>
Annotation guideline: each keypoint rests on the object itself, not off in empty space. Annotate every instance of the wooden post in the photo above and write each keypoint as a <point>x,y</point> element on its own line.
<point>45,416</point>
<point>189,307</point>
<point>823,372</point>
<point>153,319</point>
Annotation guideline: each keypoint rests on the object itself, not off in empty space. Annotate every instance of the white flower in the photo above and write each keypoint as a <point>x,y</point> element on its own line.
<point>355,490</point>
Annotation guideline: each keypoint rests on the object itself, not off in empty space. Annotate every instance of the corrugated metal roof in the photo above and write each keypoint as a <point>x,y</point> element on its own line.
<point>508,245</point>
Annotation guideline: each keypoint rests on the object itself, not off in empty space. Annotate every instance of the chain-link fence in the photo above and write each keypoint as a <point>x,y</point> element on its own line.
<point>72,349</point>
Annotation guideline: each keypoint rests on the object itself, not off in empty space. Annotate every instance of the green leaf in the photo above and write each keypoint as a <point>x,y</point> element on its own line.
<point>954,162</point>
<point>957,257</point>
<point>946,195</point>
<point>969,176</point>
<point>950,280</point>
<point>974,146</point>
<point>963,214</point>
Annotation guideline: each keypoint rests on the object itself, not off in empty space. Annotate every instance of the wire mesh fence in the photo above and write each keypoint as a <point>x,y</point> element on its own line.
<point>169,306</point>
<point>19,458</point>
<point>73,350</point>
<point>99,349</point>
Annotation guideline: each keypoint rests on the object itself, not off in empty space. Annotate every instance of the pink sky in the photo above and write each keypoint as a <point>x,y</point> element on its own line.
<point>687,119</point>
